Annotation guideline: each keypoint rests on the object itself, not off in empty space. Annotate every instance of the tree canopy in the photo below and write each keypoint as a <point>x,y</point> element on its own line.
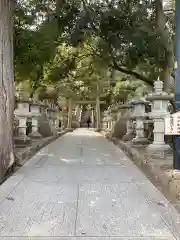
<point>75,46</point>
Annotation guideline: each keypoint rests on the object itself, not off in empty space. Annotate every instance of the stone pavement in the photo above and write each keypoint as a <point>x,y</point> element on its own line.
<point>79,187</point>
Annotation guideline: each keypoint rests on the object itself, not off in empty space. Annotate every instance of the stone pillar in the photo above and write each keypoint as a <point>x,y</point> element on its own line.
<point>140,115</point>
<point>109,118</point>
<point>51,118</point>
<point>92,118</point>
<point>64,118</point>
<point>98,121</point>
<point>80,115</point>
<point>69,124</point>
<point>54,119</point>
<point>158,113</point>
<point>57,118</point>
<point>105,120</point>
<point>35,110</point>
<point>77,112</point>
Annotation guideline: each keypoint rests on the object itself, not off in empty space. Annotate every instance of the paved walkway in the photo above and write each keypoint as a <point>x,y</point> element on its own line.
<point>83,187</point>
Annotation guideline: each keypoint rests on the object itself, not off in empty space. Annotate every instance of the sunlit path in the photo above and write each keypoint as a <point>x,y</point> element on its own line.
<point>83,187</point>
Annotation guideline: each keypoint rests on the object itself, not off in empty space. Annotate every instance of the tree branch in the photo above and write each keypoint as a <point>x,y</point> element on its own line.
<point>132,73</point>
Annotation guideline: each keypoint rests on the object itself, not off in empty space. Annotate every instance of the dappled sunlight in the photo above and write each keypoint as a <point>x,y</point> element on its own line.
<point>60,161</point>
<point>105,154</point>
<point>65,160</point>
<point>83,132</point>
<point>91,204</point>
<point>68,161</point>
<point>46,154</point>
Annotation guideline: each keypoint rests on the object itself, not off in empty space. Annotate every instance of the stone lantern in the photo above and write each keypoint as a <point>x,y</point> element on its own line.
<point>159,111</point>
<point>114,114</point>
<point>109,119</point>
<point>105,120</point>
<point>140,115</point>
<point>129,122</point>
<point>22,114</point>
<point>64,118</point>
<point>36,113</point>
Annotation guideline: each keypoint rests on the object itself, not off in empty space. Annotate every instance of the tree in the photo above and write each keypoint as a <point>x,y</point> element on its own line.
<point>6,87</point>
<point>167,42</point>
<point>39,27</point>
<point>135,37</point>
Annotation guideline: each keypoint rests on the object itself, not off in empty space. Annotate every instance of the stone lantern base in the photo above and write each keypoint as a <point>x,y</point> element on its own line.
<point>140,141</point>
<point>97,130</point>
<point>21,141</point>
<point>159,146</point>
<point>128,137</point>
<point>35,135</point>
<point>69,129</point>
<point>159,150</point>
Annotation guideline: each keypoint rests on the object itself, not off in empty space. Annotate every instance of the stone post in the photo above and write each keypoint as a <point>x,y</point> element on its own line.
<point>158,113</point>
<point>77,112</point>
<point>55,119</point>
<point>64,118</point>
<point>58,118</point>
<point>109,121</point>
<point>98,116</point>
<point>140,115</point>
<point>80,114</point>
<point>35,110</point>
<point>69,124</point>
<point>92,118</point>
<point>105,120</point>
<point>51,113</point>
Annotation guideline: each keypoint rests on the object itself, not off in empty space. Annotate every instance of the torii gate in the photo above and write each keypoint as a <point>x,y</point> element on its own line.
<point>97,102</point>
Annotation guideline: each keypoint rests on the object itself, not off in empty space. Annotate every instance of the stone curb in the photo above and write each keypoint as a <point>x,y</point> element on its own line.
<point>24,155</point>
<point>159,169</point>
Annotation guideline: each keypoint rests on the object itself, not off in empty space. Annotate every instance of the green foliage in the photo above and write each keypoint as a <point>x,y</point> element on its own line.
<point>129,37</point>
<point>73,50</point>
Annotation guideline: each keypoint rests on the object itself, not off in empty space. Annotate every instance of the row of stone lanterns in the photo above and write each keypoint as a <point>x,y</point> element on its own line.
<point>159,101</point>
<point>27,109</point>
<point>159,110</point>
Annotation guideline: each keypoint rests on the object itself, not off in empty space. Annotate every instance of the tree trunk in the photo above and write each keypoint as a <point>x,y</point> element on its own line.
<point>167,43</point>
<point>6,87</point>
